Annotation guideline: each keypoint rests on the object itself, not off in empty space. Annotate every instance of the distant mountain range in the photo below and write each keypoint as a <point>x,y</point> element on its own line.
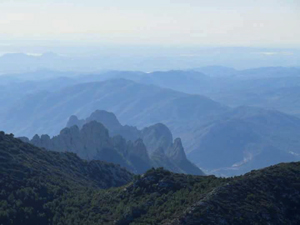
<point>245,138</point>
<point>46,187</point>
<point>139,58</point>
<point>269,87</point>
<point>90,139</point>
<point>217,138</point>
<point>136,104</point>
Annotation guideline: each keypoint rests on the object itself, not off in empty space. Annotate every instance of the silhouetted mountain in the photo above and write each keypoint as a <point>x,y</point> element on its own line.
<point>92,142</point>
<point>110,121</point>
<point>156,138</point>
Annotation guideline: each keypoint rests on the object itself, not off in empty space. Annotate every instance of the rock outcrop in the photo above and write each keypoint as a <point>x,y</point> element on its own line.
<point>157,139</point>
<point>101,136</point>
<point>91,142</point>
<point>157,136</point>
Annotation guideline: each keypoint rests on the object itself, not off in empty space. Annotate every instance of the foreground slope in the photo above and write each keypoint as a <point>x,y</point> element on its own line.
<point>32,180</point>
<point>41,187</point>
<point>268,196</point>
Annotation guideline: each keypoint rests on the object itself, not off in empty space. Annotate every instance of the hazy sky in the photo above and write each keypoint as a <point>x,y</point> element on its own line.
<point>178,22</point>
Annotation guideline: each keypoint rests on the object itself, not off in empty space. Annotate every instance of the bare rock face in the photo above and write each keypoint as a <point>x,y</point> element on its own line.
<point>176,151</point>
<point>110,121</point>
<point>95,137</point>
<point>92,142</point>
<point>157,136</point>
<point>24,139</point>
<point>154,136</point>
<point>177,155</point>
<point>152,146</point>
<point>160,159</point>
<point>73,120</point>
<point>138,155</point>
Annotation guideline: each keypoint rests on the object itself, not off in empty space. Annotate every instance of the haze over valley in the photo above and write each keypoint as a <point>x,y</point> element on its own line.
<point>149,113</point>
<point>228,124</point>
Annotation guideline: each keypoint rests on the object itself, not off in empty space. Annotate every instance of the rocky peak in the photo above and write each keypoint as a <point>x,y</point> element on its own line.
<point>151,147</point>
<point>45,140</point>
<point>157,136</point>
<point>120,143</point>
<point>108,119</point>
<point>159,152</point>
<point>177,155</point>
<point>36,138</point>
<point>70,131</point>
<point>139,148</point>
<point>73,120</point>
<point>94,136</point>
<point>176,151</point>
<point>24,139</point>
<point>42,141</point>
<point>95,128</point>
<point>45,137</point>
<point>138,155</point>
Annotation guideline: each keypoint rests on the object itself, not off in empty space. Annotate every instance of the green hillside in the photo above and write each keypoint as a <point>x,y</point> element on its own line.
<point>44,187</point>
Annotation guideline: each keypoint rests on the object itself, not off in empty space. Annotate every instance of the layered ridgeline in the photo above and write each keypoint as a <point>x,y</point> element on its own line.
<point>45,187</point>
<point>243,139</point>
<point>218,139</point>
<point>136,150</point>
<point>134,103</point>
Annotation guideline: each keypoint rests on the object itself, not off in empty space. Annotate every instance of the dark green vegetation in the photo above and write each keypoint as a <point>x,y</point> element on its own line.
<point>43,187</point>
<point>33,181</point>
<point>267,196</point>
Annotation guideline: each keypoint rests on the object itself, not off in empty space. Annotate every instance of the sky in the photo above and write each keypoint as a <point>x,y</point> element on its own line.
<point>269,23</point>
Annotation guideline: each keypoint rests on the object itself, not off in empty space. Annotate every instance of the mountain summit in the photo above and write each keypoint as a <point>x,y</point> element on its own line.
<point>101,136</point>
